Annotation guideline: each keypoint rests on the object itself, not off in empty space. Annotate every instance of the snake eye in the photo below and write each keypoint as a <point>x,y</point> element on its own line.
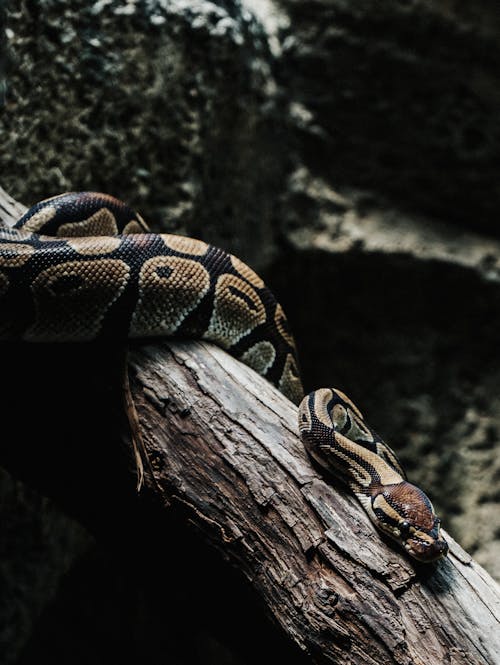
<point>404,528</point>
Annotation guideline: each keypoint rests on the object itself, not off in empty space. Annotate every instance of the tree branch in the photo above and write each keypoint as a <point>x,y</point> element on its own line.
<point>221,447</point>
<point>222,442</point>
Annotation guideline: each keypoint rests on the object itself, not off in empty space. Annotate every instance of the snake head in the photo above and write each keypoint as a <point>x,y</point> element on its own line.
<point>406,514</point>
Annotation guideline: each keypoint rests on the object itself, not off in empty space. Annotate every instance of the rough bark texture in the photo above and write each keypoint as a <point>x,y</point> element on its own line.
<point>299,136</point>
<point>222,443</point>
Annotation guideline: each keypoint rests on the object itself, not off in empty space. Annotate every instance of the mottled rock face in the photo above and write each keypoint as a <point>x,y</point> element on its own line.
<point>195,111</point>
<point>405,103</point>
<point>170,105</point>
<point>261,127</point>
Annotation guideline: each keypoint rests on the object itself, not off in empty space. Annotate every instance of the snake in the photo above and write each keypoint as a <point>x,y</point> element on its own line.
<point>84,266</point>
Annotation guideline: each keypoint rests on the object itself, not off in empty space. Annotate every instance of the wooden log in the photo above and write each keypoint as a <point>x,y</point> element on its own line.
<point>223,443</point>
<point>221,448</point>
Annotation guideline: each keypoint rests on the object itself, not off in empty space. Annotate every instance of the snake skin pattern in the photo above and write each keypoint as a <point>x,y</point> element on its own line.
<point>337,437</point>
<point>83,266</point>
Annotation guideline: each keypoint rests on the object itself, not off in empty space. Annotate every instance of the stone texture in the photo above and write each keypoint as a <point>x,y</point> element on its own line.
<point>348,151</point>
<point>400,98</point>
<point>168,104</point>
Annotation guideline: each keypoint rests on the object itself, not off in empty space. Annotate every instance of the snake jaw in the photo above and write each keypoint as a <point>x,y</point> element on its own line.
<point>406,514</point>
<point>426,551</point>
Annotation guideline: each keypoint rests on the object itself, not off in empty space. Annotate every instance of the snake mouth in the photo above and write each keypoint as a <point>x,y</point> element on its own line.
<point>426,551</point>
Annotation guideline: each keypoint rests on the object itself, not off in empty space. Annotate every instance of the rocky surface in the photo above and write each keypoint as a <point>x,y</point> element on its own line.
<point>349,153</point>
<point>401,98</point>
<point>168,104</point>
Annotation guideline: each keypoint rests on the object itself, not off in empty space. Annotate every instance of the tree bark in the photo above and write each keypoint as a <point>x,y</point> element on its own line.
<point>221,449</point>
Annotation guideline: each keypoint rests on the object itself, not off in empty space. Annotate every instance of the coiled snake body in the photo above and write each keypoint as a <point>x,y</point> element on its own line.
<point>82,266</point>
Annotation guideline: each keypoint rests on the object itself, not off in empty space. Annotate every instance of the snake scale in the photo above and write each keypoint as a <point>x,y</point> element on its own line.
<point>83,266</point>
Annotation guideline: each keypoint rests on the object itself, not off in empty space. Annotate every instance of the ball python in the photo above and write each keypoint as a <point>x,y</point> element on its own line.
<point>83,265</point>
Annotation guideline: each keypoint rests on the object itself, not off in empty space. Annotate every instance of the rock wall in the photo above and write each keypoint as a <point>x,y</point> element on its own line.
<point>401,98</point>
<point>170,105</point>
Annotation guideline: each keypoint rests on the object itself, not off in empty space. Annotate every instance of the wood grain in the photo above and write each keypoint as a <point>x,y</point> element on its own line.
<point>222,442</point>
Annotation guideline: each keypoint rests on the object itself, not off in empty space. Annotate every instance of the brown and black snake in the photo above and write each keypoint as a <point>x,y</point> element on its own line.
<point>84,266</point>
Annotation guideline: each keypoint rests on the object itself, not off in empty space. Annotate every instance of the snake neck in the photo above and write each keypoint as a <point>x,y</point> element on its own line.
<point>327,420</point>
<point>364,471</point>
<point>396,507</point>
